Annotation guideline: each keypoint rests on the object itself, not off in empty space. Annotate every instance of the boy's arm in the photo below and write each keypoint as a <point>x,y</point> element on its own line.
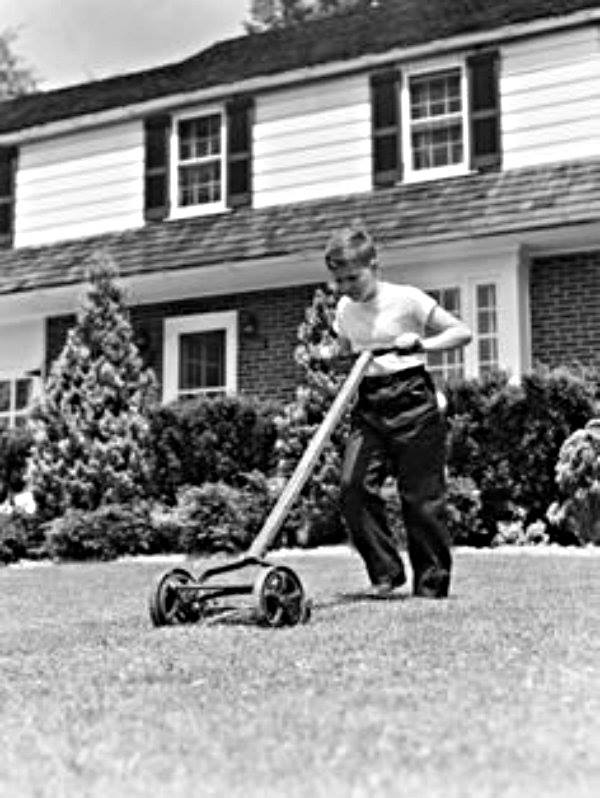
<point>448,332</point>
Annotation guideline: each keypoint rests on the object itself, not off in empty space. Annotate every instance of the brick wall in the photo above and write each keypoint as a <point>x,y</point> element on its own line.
<point>565,309</point>
<point>266,364</point>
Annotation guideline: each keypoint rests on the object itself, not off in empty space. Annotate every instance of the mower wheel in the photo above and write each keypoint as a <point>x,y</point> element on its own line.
<point>279,597</point>
<point>166,604</point>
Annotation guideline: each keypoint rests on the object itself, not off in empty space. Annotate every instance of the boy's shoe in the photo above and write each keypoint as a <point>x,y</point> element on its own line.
<point>386,588</point>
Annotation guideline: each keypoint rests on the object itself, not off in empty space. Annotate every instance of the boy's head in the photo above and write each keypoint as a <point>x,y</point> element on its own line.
<point>351,258</point>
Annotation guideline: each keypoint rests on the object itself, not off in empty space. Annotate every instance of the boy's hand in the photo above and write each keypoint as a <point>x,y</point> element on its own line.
<point>409,342</point>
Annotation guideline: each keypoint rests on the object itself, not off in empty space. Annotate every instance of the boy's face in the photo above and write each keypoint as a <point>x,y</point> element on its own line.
<point>355,279</point>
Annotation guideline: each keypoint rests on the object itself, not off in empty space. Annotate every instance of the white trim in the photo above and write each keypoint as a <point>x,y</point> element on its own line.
<point>198,322</point>
<point>304,74</point>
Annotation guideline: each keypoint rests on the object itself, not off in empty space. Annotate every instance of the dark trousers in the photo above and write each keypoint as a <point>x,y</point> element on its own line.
<point>398,430</point>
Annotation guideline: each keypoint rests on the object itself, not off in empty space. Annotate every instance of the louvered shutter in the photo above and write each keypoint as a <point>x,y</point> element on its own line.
<point>157,131</point>
<point>484,110</point>
<point>240,113</point>
<point>385,128</point>
<point>8,170</point>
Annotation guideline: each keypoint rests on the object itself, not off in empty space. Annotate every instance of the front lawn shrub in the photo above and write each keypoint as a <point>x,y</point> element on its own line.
<point>210,439</point>
<point>21,537</point>
<point>575,516</point>
<point>506,438</point>
<point>216,516</point>
<point>110,531</point>
<point>15,448</point>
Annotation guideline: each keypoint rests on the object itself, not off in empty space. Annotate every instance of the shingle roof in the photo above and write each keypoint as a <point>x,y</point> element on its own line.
<point>395,23</point>
<point>469,206</point>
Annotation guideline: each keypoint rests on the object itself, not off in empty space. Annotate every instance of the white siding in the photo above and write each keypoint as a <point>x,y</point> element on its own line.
<point>550,98</point>
<point>312,142</point>
<point>80,184</point>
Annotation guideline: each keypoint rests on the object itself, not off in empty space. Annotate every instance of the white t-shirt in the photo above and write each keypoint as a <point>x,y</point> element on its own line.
<point>375,324</point>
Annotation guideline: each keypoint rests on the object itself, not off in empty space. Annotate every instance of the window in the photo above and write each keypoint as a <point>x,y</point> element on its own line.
<point>487,328</point>
<point>200,355</point>
<point>16,394</point>
<point>436,120</point>
<point>199,160</point>
<point>429,123</point>
<point>447,365</point>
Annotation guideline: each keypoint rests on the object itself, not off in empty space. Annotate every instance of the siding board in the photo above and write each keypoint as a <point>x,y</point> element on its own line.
<point>79,185</point>
<point>550,98</point>
<point>313,141</point>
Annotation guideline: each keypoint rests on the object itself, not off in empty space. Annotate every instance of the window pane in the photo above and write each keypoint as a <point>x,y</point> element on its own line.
<point>201,361</point>
<point>200,183</point>
<point>23,393</point>
<point>200,138</point>
<point>4,396</point>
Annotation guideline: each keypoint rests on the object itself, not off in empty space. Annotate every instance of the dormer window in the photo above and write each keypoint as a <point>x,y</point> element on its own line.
<point>198,163</point>
<point>436,120</point>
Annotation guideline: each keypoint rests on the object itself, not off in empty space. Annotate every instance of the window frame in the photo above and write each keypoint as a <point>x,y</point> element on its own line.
<point>175,326</point>
<point>13,413</point>
<point>431,69</point>
<point>178,211</point>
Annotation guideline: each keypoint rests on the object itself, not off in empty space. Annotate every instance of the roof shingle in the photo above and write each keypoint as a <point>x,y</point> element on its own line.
<point>470,206</point>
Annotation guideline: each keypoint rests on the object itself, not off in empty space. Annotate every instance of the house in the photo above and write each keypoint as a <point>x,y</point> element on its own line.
<point>466,134</point>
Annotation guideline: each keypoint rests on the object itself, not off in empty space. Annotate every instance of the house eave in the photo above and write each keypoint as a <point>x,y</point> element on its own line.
<point>285,79</point>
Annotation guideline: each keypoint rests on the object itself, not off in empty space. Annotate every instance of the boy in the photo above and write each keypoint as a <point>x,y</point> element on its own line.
<point>397,426</point>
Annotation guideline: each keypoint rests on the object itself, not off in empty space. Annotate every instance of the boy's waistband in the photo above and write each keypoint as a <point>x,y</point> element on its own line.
<point>382,380</point>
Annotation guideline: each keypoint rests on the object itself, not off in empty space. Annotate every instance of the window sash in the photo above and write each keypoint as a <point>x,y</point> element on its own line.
<point>447,365</point>
<point>16,395</point>
<point>486,327</point>
<point>199,171</point>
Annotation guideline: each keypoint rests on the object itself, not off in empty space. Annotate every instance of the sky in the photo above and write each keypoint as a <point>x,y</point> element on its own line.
<point>75,41</point>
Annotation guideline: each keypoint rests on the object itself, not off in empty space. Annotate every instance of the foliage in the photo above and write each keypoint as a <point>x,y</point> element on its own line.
<point>265,14</point>
<point>577,512</point>
<point>107,532</point>
<point>15,447</point>
<point>316,516</point>
<point>463,513</point>
<point>506,438</point>
<point>15,78</point>
<point>20,537</point>
<point>216,516</point>
<point>91,431</point>
<point>210,439</point>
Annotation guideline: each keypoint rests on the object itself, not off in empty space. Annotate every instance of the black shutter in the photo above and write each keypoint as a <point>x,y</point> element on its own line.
<point>8,171</point>
<point>239,151</point>
<point>157,131</point>
<point>385,128</point>
<point>484,110</point>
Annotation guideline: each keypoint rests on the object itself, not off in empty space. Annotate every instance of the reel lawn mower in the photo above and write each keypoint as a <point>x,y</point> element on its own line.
<point>277,595</point>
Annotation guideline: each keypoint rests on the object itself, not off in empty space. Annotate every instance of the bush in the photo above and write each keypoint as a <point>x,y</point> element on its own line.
<point>21,537</point>
<point>15,447</point>
<point>210,440</point>
<point>506,438</point>
<point>219,517</point>
<point>108,532</point>
<point>576,515</point>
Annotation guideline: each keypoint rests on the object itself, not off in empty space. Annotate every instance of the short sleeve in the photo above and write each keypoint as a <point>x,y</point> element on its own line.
<point>338,320</point>
<point>423,304</point>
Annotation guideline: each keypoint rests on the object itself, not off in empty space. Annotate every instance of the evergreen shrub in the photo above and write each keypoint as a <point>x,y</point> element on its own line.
<point>21,537</point>
<point>506,438</point>
<point>90,427</point>
<point>15,448</point>
<point>575,516</point>
<point>216,516</point>
<point>210,439</point>
<point>109,531</point>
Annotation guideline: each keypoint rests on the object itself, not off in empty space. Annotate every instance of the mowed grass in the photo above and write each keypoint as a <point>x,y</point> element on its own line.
<point>495,692</point>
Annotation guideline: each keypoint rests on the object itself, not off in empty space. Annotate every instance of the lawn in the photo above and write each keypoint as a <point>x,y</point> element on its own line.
<point>495,692</point>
